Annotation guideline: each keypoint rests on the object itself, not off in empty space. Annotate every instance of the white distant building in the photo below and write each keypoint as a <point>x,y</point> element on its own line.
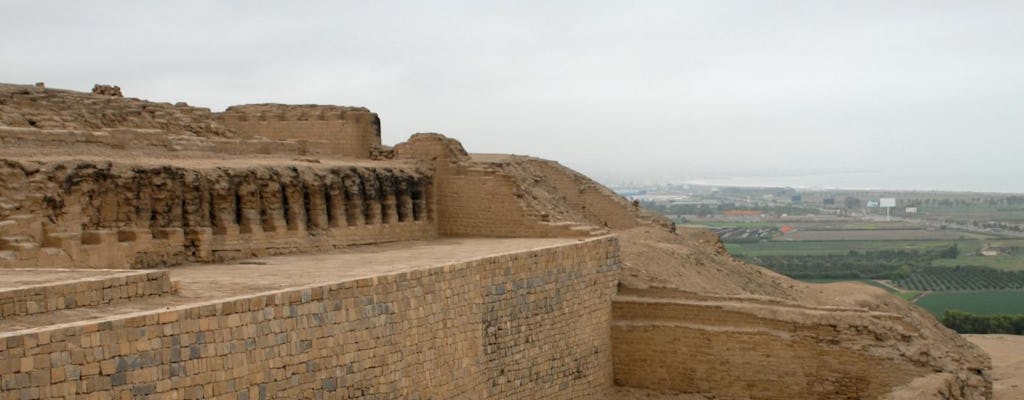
<point>911,210</point>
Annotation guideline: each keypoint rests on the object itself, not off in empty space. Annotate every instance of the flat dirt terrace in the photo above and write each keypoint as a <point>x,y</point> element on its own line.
<point>205,282</point>
<point>16,278</point>
<point>1007,352</point>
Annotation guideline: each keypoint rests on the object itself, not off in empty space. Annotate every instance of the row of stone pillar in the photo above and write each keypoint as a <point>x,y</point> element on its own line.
<point>273,207</point>
<point>266,199</point>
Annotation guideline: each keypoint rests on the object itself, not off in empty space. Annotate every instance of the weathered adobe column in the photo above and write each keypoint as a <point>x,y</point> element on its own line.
<point>102,206</point>
<point>371,198</point>
<point>389,202</point>
<point>194,202</point>
<point>247,199</point>
<point>196,206</point>
<point>166,203</point>
<point>419,201</point>
<point>272,212</point>
<point>316,205</point>
<point>222,207</point>
<point>296,206</point>
<point>405,207</point>
<point>336,213</point>
<point>355,215</point>
<point>142,203</point>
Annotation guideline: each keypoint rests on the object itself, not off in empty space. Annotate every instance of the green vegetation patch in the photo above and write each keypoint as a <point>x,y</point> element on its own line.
<point>964,322</point>
<point>871,264</point>
<point>982,303</point>
<point>965,278</point>
<point>840,246</point>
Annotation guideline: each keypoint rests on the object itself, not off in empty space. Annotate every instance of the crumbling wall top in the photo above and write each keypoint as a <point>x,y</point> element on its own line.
<point>294,112</point>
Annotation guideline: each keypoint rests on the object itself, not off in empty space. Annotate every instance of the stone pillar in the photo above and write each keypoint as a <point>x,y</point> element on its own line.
<point>223,216</point>
<point>336,210</point>
<point>419,202</point>
<point>139,197</point>
<point>389,209</point>
<point>248,212</point>
<point>355,215</point>
<point>405,207</point>
<point>371,198</point>
<point>195,202</point>
<point>271,199</point>
<point>296,209</point>
<point>316,207</point>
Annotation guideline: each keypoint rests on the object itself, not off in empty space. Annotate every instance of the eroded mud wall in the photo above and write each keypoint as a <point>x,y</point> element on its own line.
<point>118,216</point>
<point>341,131</point>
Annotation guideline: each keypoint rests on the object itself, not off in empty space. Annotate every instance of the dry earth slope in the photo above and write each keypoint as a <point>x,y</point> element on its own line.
<point>692,322</point>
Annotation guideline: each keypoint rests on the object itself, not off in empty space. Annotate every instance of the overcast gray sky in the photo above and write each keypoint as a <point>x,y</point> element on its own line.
<point>882,94</point>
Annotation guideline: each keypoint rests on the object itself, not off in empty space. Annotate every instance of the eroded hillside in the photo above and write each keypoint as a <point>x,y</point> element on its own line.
<point>689,320</point>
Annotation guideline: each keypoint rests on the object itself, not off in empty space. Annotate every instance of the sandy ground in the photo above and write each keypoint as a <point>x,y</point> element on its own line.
<point>1007,352</point>
<point>628,393</point>
<point>205,282</point>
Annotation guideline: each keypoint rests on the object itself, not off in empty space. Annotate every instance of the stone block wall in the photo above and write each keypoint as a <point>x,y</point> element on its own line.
<point>342,131</point>
<point>114,287</point>
<point>524,325</point>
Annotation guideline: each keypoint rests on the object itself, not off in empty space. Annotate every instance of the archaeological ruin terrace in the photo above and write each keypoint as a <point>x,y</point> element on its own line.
<point>156,250</point>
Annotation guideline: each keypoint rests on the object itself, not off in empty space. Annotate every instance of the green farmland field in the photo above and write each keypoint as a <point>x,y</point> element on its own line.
<point>968,250</point>
<point>982,303</point>
<point>838,246</point>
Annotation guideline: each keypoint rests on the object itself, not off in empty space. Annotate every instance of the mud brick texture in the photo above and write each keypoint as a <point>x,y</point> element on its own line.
<point>119,286</point>
<point>524,325</point>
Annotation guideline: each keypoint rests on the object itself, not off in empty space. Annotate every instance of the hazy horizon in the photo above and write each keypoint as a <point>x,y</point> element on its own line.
<point>916,95</point>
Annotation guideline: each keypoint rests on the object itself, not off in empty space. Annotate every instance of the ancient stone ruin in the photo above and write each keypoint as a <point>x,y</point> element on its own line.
<point>282,251</point>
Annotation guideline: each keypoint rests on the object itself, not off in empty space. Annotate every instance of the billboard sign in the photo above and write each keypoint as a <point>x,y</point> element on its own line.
<point>887,202</point>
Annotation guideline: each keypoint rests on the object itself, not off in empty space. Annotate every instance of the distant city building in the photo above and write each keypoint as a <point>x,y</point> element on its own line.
<point>872,203</point>
<point>829,201</point>
<point>911,210</point>
<point>796,198</point>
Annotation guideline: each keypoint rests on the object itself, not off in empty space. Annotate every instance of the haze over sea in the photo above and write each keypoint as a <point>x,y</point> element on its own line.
<point>994,180</point>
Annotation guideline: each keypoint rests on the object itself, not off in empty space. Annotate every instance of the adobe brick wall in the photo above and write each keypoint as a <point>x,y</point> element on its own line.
<point>344,131</point>
<point>594,202</point>
<point>476,202</point>
<point>109,288</point>
<point>476,199</point>
<point>523,325</point>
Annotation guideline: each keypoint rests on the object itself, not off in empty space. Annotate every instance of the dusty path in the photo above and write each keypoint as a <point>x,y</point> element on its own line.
<point>1007,352</point>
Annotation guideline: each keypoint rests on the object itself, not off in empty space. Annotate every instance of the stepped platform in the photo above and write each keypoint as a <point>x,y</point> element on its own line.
<point>446,318</point>
<point>201,283</point>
